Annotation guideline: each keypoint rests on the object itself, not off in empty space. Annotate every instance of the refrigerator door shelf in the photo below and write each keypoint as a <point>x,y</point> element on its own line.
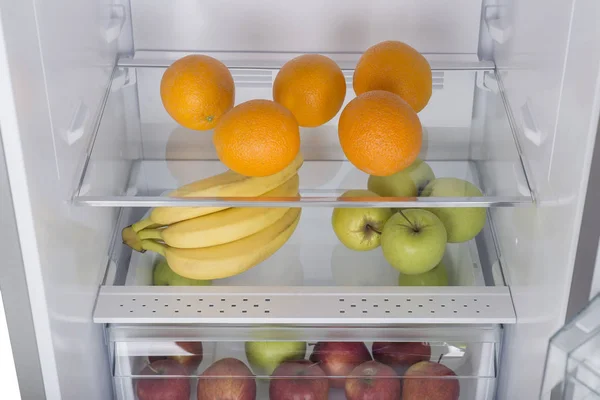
<point>573,358</point>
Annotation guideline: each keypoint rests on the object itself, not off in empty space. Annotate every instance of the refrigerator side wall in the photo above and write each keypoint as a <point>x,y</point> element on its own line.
<point>55,63</point>
<point>550,68</point>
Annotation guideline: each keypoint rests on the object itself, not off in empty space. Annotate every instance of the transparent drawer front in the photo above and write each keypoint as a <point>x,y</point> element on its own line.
<point>573,360</point>
<point>408,368</point>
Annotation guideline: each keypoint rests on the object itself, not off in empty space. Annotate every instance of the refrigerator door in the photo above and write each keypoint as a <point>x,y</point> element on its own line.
<point>550,66</point>
<point>55,62</point>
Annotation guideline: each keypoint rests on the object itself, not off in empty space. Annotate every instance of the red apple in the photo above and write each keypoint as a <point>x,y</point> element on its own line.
<point>171,388</point>
<point>339,358</point>
<point>401,355</point>
<point>228,378</point>
<point>301,379</point>
<point>190,363</point>
<point>420,382</point>
<point>372,380</point>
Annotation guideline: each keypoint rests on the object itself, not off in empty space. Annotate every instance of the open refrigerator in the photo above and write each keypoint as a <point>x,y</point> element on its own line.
<point>87,148</point>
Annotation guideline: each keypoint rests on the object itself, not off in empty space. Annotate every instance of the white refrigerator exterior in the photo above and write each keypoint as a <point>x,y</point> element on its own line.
<point>56,60</point>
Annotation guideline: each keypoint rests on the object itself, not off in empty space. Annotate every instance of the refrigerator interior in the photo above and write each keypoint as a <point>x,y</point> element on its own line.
<point>513,102</point>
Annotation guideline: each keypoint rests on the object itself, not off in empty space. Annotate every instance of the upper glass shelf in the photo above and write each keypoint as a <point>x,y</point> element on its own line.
<point>138,154</point>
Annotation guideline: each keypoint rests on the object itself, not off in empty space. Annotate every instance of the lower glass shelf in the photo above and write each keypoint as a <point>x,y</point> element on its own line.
<point>312,279</point>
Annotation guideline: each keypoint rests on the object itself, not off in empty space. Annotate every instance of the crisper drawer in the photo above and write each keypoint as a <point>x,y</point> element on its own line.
<point>339,363</point>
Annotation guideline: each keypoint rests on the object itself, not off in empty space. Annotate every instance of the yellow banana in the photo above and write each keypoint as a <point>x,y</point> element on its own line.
<point>227,184</point>
<point>223,226</point>
<point>228,259</point>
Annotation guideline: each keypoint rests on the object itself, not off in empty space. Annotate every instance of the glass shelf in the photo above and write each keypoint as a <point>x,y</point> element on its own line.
<point>138,153</point>
<point>312,279</point>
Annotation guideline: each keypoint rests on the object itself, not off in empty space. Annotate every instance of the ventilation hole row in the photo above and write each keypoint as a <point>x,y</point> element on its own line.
<point>343,311</point>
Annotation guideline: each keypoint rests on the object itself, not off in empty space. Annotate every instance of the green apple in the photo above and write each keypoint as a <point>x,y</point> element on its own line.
<point>461,224</point>
<point>438,276</point>
<point>413,241</point>
<point>359,228</point>
<point>406,183</point>
<point>163,275</point>
<point>264,357</point>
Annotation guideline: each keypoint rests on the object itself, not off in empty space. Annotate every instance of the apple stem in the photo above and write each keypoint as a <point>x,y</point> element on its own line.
<point>409,222</point>
<point>371,227</point>
<point>440,359</point>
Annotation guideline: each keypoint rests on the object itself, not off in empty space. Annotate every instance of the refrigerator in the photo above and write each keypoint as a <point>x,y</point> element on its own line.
<point>87,149</point>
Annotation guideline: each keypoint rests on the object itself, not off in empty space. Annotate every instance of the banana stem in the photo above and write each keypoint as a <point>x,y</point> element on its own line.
<point>143,224</point>
<point>150,234</point>
<point>131,239</point>
<point>154,246</point>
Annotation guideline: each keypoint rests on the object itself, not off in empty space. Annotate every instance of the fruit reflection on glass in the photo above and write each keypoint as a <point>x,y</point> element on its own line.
<point>312,87</point>
<point>153,387</point>
<point>401,355</point>
<point>430,380</point>
<point>380,133</point>
<point>301,379</point>
<point>359,228</point>
<point>438,276</point>
<point>338,359</point>
<point>228,378</point>
<point>190,362</point>
<point>406,183</point>
<point>264,357</point>
<point>413,241</point>
<point>395,67</point>
<point>372,380</point>
<point>462,223</point>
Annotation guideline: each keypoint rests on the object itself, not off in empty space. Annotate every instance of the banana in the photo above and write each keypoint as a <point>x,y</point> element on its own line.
<point>227,184</point>
<point>232,258</point>
<point>223,226</point>
<point>131,239</point>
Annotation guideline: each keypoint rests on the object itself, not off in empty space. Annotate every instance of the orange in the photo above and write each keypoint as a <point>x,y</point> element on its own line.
<point>257,138</point>
<point>196,91</point>
<point>380,133</point>
<point>397,68</point>
<point>312,87</point>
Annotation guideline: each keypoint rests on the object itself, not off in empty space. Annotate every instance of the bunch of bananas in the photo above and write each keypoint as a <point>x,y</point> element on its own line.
<point>218,242</point>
